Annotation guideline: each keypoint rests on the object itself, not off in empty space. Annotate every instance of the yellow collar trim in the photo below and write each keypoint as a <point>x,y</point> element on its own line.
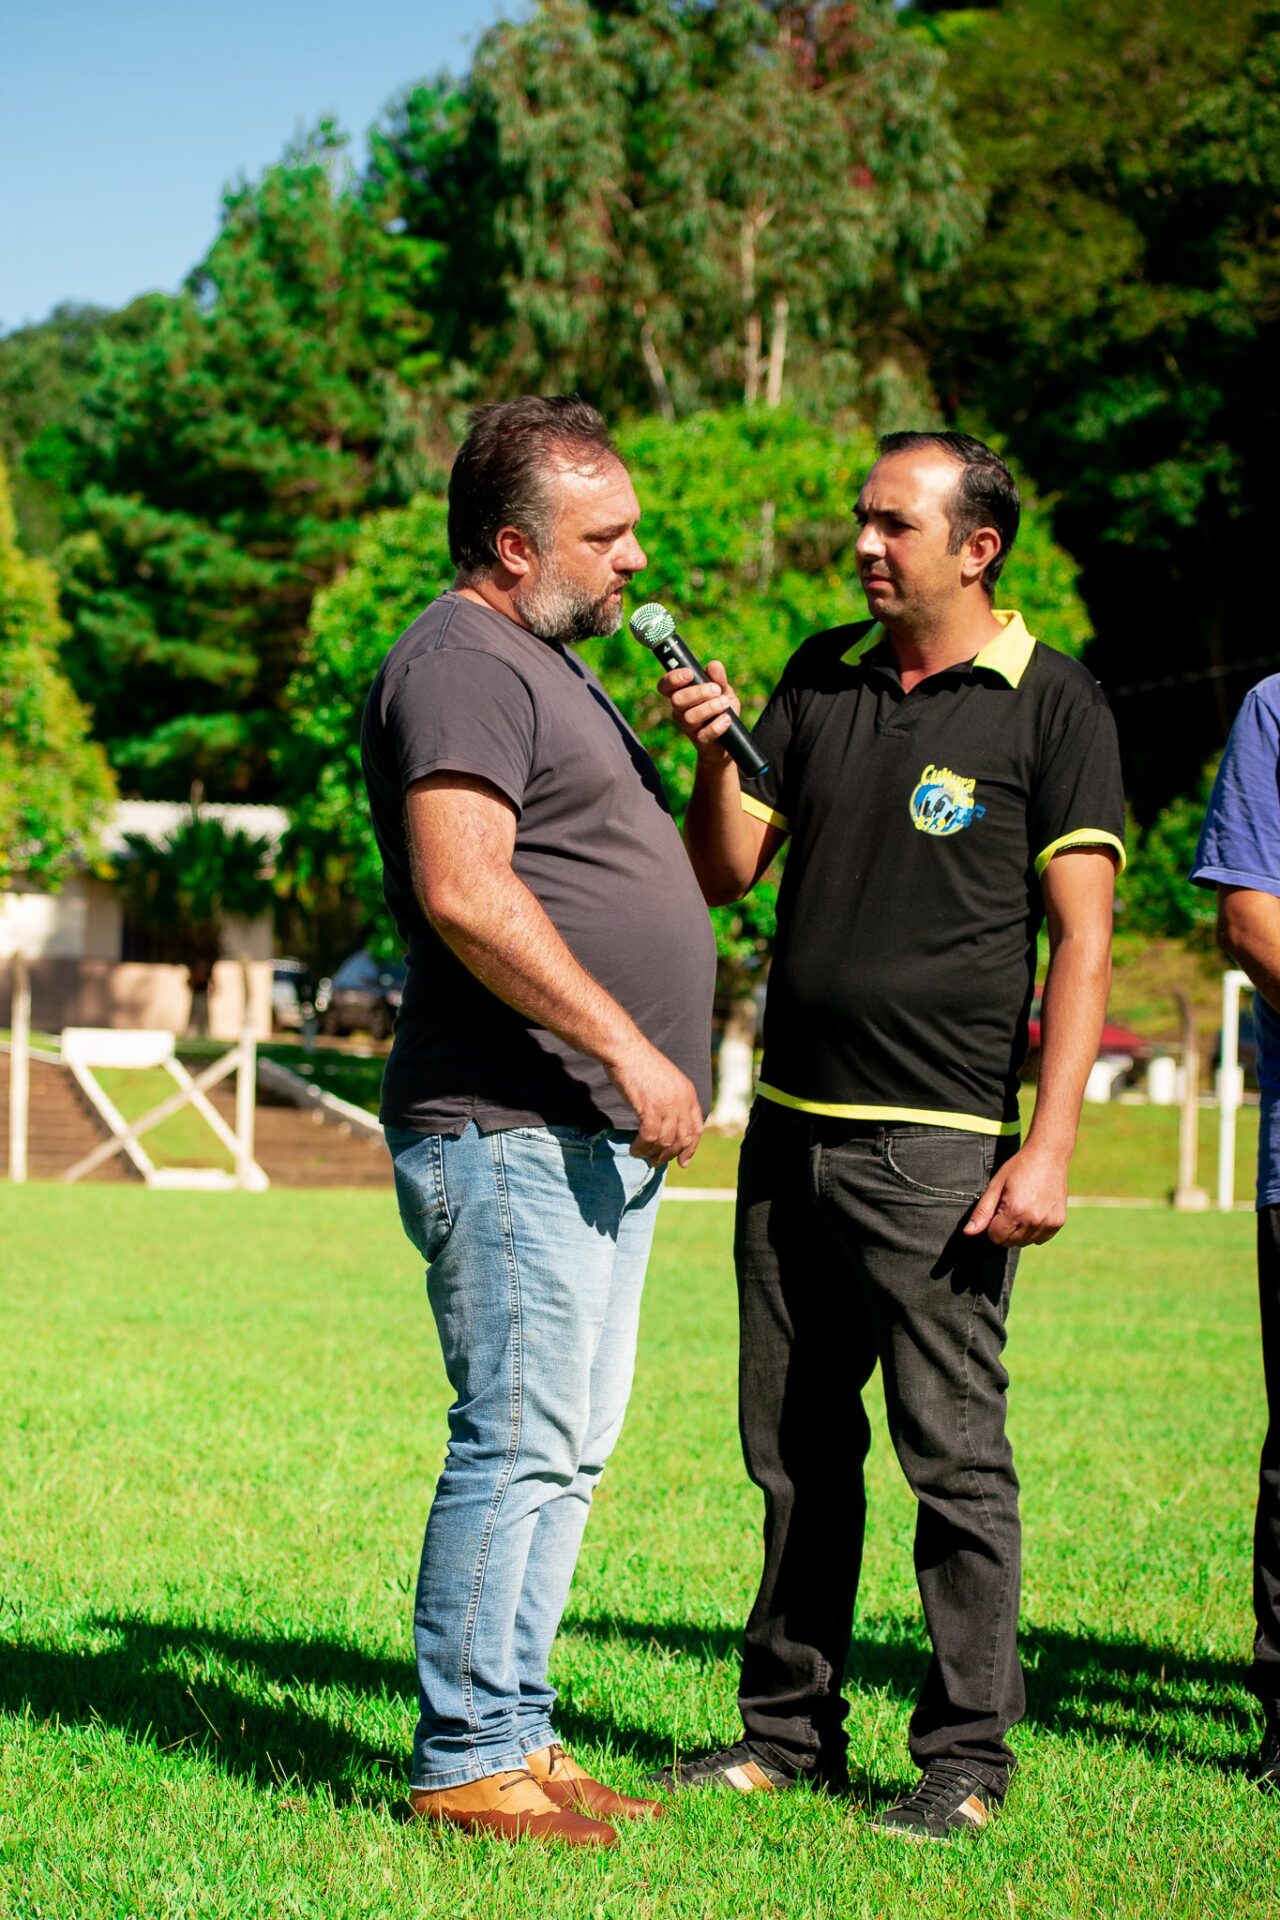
<point>1009,654</point>
<point>872,638</point>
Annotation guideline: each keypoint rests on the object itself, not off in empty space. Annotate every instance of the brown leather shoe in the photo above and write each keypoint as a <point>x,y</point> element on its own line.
<point>569,1785</point>
<point>513,1806</point>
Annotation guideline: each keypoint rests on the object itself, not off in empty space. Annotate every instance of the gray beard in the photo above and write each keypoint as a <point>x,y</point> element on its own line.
<point>559,609</point>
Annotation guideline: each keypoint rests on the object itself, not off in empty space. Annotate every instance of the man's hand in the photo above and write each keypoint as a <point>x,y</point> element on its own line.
<point>1026,1202</point>
<point>666,1104</point>
<point>701,712</point>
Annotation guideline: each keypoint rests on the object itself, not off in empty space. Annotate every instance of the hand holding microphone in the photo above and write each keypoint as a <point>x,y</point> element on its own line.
<point>709,719</point>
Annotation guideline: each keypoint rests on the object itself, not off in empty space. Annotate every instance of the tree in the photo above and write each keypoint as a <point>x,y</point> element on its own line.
<point>191,884</point>
<point>1119,322</point>
<point>225,459</point>
<point>55,785</point>
<point>668,206</point>
<point>44,370</point>
<point>1154,893</point>
<point>749,529</point>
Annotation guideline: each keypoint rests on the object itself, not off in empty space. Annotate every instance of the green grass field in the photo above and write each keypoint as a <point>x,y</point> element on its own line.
<point>222,1416</point>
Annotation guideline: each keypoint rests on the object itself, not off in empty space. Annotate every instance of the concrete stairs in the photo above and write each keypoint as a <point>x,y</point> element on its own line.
<point>301,1148</point>
<point>62,1128</point>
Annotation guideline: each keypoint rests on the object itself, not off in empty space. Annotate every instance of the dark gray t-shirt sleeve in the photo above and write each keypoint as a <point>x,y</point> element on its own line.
<point>458,711</point>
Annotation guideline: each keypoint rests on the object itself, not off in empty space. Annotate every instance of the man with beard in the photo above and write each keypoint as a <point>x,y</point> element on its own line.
<point>946,783</point>
<point>550,1057</point>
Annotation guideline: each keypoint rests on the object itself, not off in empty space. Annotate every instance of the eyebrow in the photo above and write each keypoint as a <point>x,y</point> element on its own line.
<point>611,533</point>
<point>862,512</point>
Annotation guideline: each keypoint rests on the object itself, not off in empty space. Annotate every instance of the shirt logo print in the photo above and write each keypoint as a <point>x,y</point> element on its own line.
<point>943,802</point>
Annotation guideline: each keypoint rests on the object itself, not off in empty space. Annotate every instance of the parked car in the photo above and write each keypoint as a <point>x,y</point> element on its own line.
<point>1119,1048</point>
<point>291,994</point>
<point>363,995</point>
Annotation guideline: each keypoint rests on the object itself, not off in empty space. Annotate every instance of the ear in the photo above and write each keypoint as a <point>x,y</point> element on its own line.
<point>979,550</point>
<point>515,551</point>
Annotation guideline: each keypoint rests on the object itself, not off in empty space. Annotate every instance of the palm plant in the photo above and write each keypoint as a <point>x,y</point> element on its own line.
<point>189,885</point>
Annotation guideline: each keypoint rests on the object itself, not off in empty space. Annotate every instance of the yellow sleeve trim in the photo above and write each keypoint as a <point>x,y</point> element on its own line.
<point>891,1116</point>
<point>1083,837</point>
<point>751,805</point>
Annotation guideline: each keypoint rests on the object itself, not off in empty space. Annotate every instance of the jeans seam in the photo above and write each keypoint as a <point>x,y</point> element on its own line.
<point>513,1442</point>
<point>986,1511</point>
<point>442,1192</point>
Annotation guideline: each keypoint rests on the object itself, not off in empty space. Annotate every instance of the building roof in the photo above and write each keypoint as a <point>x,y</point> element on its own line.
<point>154,819</point>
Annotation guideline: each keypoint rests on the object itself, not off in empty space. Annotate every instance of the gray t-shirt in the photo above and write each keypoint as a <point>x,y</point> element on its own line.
<point>465,690</point>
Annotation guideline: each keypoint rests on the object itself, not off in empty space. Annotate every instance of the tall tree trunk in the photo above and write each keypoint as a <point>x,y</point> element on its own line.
<point>777,350</point>
<point>735,1069</point>
<point>764,571</point>
<point>657,373</point>
<point>754,340</point>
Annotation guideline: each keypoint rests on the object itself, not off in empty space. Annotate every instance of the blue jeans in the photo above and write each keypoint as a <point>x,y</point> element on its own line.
<point>536,1240</point>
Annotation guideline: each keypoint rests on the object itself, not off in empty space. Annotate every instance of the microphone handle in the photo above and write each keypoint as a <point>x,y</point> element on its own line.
<point>737,742</point>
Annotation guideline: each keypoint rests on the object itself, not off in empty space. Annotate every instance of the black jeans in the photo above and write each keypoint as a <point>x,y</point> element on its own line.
<point>1264,1677</point>
<point>849,1252</point>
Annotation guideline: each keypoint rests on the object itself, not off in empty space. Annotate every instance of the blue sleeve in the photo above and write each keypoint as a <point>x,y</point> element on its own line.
<point>1240,840</point>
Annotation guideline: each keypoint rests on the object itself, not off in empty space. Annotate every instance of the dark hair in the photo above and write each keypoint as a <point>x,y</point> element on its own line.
<point>986,494</point>
<point>505,467</point>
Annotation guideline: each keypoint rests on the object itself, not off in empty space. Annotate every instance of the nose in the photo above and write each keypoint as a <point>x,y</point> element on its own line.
<point>868,544</point>
<point>631,556</point>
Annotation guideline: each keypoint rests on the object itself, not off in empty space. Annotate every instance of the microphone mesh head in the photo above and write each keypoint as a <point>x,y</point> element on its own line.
<point>652,624</point>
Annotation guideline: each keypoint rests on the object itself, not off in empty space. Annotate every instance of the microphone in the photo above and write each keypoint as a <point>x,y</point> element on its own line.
<point>654,628</point>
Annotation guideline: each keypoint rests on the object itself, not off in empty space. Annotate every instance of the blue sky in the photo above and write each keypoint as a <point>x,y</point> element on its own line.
<point>122,120</point>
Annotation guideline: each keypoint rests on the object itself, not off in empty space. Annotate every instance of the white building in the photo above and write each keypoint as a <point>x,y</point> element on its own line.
<point>93,965</point>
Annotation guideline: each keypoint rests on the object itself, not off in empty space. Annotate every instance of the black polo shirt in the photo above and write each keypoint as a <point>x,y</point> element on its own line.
<point>910,903</point>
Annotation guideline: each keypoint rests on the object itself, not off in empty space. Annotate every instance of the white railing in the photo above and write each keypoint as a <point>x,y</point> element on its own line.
<point>86,1050</point>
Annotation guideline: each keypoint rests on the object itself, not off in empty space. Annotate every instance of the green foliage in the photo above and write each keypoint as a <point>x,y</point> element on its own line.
<point>225,459</point>
<point>55,785</point>
<point>43,372</point>
<point>677,206</point>
<point>1119,319</point>
<point>748,524</point>
<point>1155,895</point>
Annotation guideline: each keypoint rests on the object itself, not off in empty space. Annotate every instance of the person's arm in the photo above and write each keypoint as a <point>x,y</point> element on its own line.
<point>729,848</point>
<point>1026,1202</point>
<point>462,835</point>
<point>1249,934</point>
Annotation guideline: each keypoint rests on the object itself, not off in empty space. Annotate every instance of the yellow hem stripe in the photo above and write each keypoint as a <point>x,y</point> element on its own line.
<point>751,805</point>
<point>1083,837</point>
<point>908,1116</point>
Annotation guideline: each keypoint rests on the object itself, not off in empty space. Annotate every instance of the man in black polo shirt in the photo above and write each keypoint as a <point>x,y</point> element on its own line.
<point>946,783</point>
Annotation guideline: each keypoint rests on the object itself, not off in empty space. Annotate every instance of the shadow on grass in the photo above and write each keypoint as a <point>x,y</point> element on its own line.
<point>153,1685</point>
<point>255,1716</point>
<point>1077,1683</point>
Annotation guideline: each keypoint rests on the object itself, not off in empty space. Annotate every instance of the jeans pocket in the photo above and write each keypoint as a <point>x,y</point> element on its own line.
<point>939,1164</point>
<point>421,1194</point>
<point>557,1139</point>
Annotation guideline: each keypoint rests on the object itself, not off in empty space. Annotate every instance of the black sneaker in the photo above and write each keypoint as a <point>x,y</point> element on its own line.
<point>750,1766</point>
<point>1266,1766</point>
<point>949,1799</point>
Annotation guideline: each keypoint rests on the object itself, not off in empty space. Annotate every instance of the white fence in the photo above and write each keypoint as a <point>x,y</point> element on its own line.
<point>85,1051</point>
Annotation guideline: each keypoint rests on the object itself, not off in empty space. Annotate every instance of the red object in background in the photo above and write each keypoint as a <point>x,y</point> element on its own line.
<point>1114,1039</point>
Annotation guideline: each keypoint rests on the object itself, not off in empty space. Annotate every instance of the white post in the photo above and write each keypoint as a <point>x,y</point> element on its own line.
<point>1188,1195</point>
<point>246,1085</point>
<point>19,1081</point>
<point>1229,1087</point>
